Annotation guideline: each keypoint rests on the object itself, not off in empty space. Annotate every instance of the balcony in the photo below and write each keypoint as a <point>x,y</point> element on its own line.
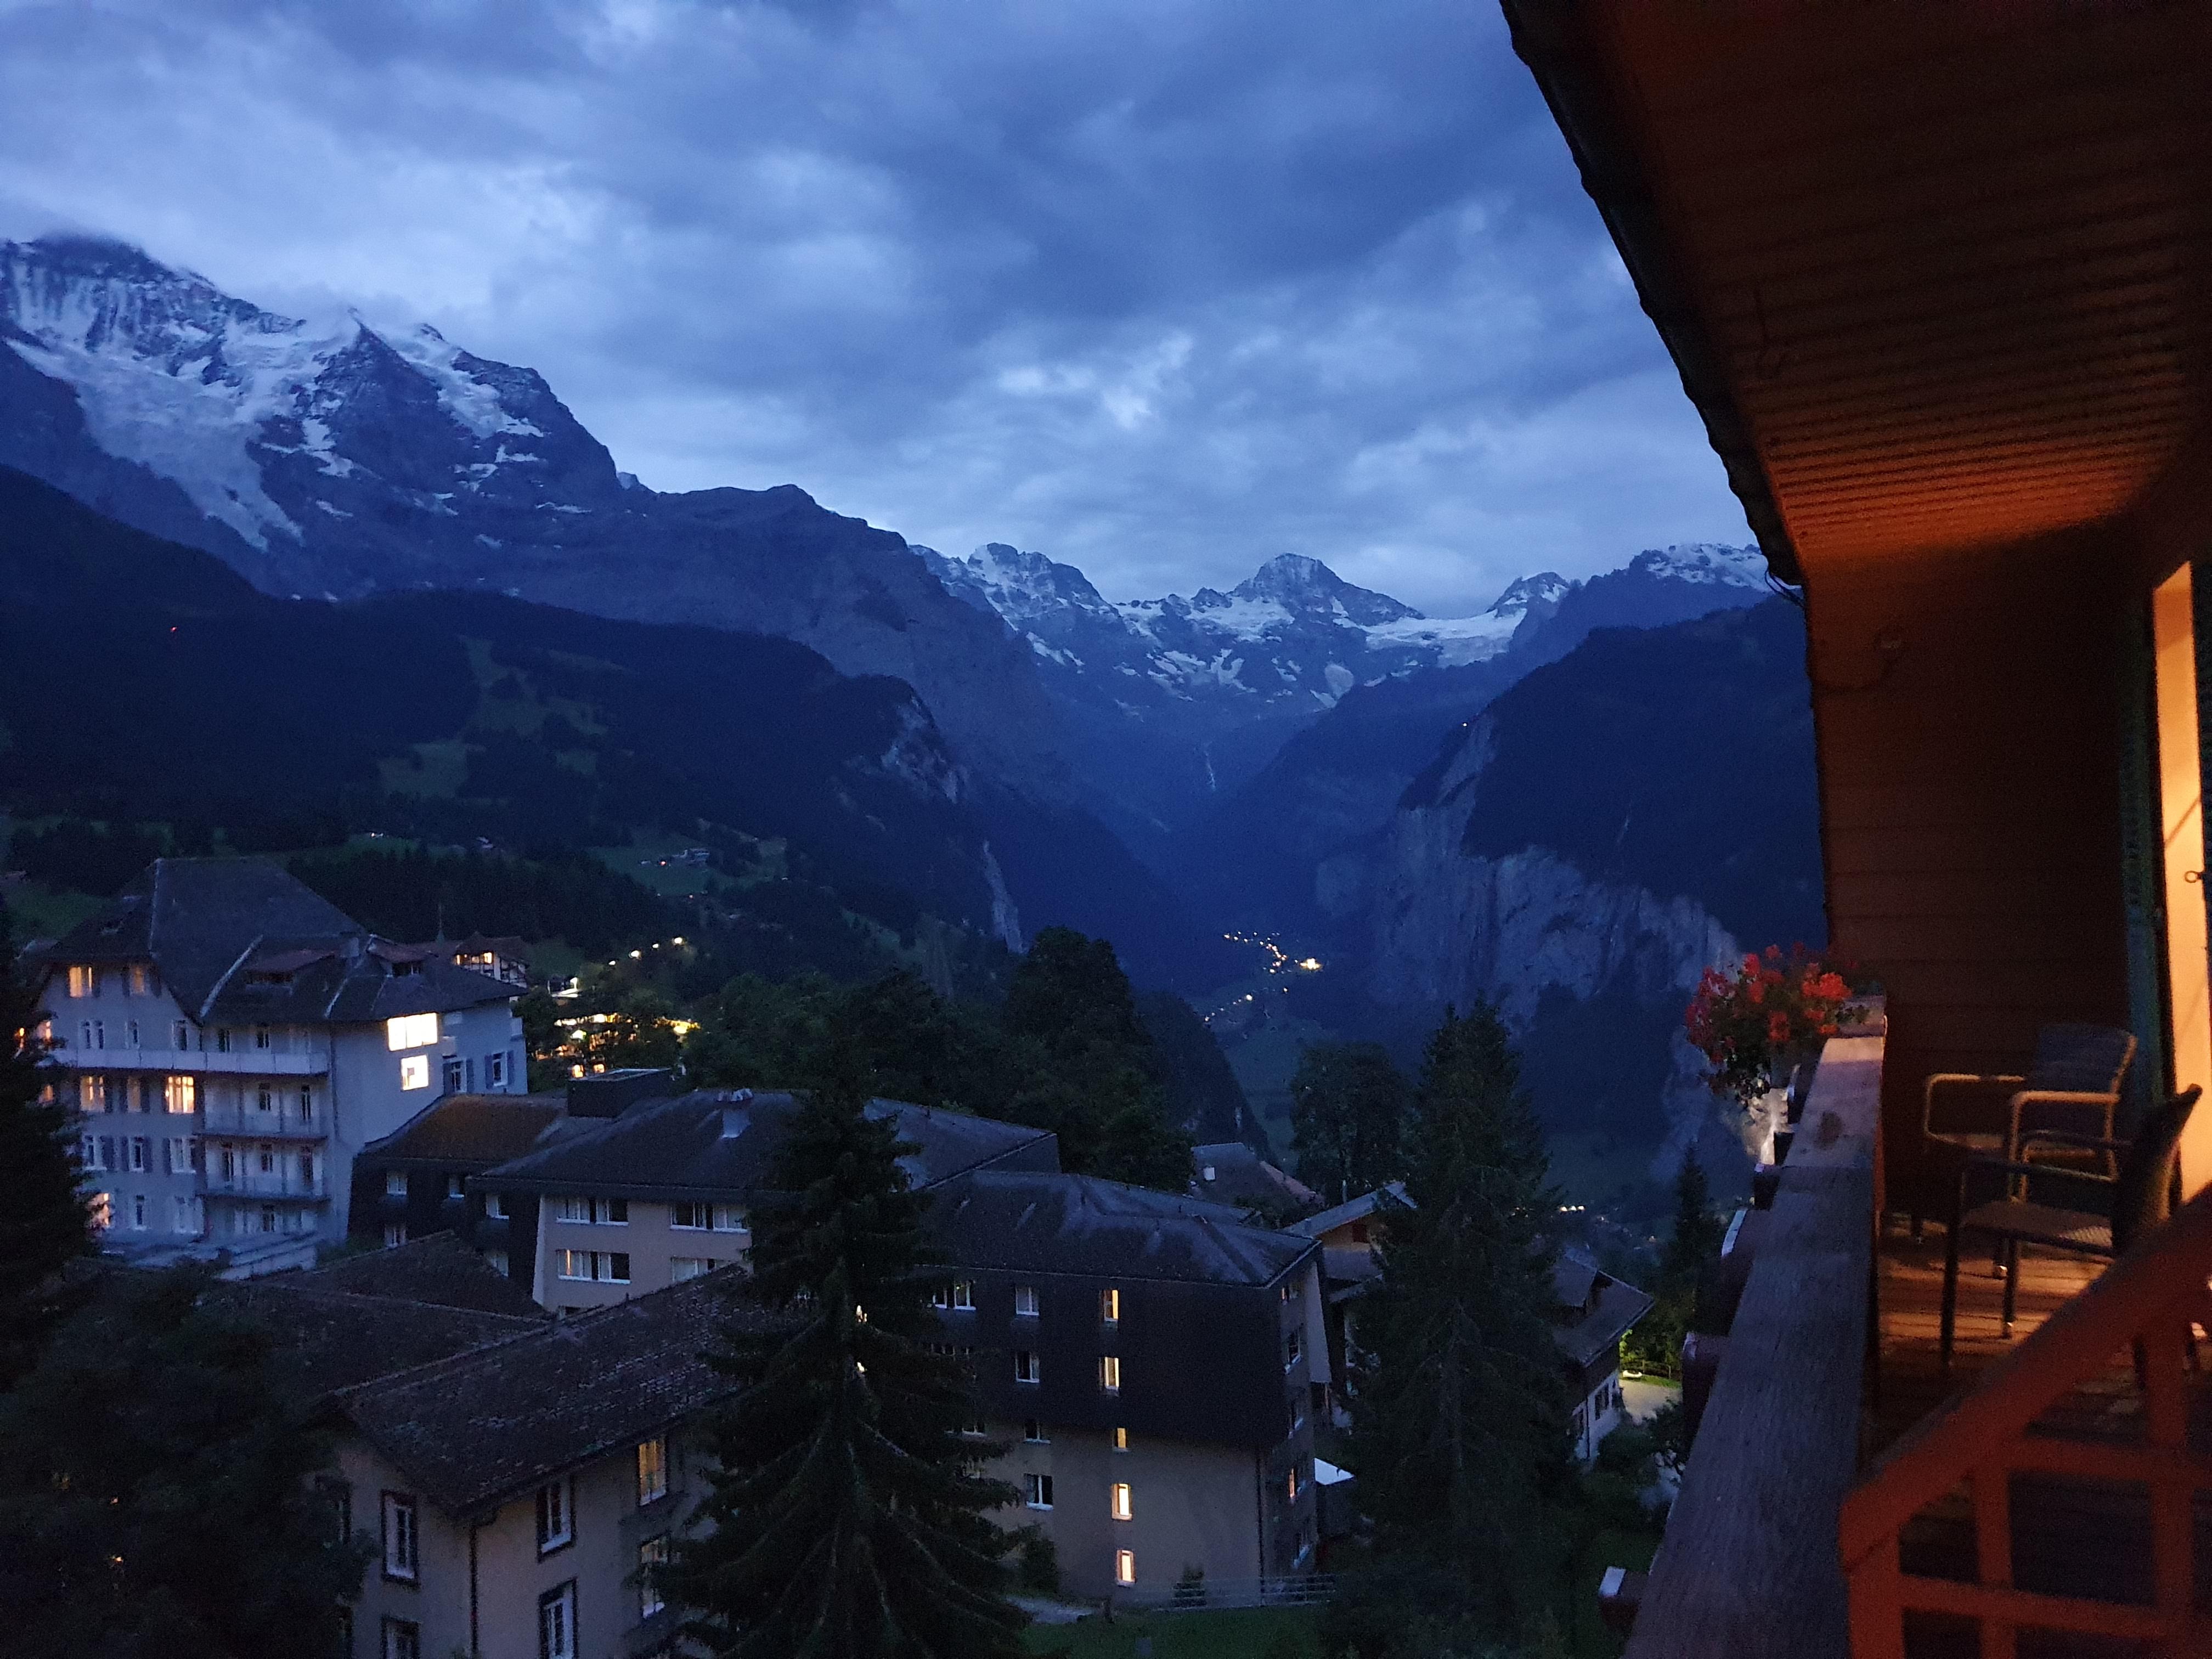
<point>267,1187</point>
<point>236,1062</point>
<point>251,1123</point>
<point>2053,1497</point>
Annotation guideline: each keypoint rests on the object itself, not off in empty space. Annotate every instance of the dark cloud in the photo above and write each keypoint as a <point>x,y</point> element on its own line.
<point>1161,288</point>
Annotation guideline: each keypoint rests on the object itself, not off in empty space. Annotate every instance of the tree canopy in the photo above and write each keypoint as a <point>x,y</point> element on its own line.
<point>848,1517</point>
<point>1348,1105</point>
<point>43,1223</point>
<point>1459,1422</point>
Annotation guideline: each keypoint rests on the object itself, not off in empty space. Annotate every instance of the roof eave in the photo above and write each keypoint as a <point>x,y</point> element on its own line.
<point>1550,37</point>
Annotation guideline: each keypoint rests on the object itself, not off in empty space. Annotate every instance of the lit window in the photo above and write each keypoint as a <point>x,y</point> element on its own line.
<point>1109,1373</point>
<point>1125,1567</point>
<point>963,1295</point>
<point>410,1031</point>
<point>1025,1301</point>
<point>144,981</point>
<point>92,1092</point>
<point>398,1536</point>
<point>83,982</point>
<point>556,1623</point>
<point>1026,1367</point>
<point>1121,1440</point>
<point>1121,1510</point>
<point>101,1210</point>
<point>415,1071</point>
<point>1037,1488</point>
<point>181,1095</point>
<point>1290,1485</point>
<point>652,1470</point>
<point>573,1264</point>
<point>553,1520</point>
<point>651,1557</point>
<point>1109,1306</point>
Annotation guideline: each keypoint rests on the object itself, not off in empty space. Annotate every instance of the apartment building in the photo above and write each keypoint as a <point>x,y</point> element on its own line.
<point>1151,1361</point>
<point>229,1041</point>
<point>657,1196</point>
<point>520,1495</point>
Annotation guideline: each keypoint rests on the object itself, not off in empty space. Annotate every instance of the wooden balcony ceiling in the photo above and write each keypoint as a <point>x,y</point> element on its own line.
<point>1938,277</point>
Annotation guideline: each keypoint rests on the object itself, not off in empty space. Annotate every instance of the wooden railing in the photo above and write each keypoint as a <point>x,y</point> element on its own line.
<point>2144,1303</point>
<point>1748,1568</point>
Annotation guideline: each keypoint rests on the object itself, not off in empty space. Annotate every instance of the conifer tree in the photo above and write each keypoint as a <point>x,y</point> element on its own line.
<point>847,1518</point>
<point>157,1486</point>
<point>1348,1118</point>
<point>1461,1418</point>
<point>42,1224</point>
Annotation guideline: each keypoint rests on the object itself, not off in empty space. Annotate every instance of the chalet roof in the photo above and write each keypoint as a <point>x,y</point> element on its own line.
<point>1065,1224</point>
<point>1606,1308</point>
<point>337,1338</point>
<point>243,941</point>
<point>1357,1209</point>
<point>479,1130</point>
<point>436,1271</point>
<point>1933,276</point>
<point>474,1430</point>
<point>719,1144</point>
<point>1230,1172</point>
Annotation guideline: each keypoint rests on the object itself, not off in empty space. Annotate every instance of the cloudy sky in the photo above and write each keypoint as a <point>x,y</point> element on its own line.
<point>1160,289</point>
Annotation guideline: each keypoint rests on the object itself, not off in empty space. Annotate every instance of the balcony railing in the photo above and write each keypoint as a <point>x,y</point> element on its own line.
<point>251,1123</point>
<point>198,1062</point>
<point>2083,1486</point>
<point>257,1185</point>
<point>1749,1566</point>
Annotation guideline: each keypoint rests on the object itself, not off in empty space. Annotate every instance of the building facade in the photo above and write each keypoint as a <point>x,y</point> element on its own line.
<point>229,1041</point>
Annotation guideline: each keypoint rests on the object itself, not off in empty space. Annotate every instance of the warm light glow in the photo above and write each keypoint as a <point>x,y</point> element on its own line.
<point>415,1071</point>
<point>410,1031</point>
<point>2181,823</point>
<point>1121,1509</point>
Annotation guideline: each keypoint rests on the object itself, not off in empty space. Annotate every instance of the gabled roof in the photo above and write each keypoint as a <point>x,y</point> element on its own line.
<point>1230,1172</point>
<point>1357,1209</point>
<point>337,1338</point>
<point>1606,1308</point>
<point>1065,1224</point>
<point>719,1144</point>
<point>438,1271</point>
<point>471,1129</point>
<point>243,941</point>
<point>475,1430</point>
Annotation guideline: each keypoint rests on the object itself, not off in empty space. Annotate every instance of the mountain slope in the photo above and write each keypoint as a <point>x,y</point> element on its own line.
<point>143,679</point>
<point>322,458</point>
<point>1622,818</point>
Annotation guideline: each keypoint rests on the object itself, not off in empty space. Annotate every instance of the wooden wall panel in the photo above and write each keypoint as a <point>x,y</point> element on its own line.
<point>1971,799</point>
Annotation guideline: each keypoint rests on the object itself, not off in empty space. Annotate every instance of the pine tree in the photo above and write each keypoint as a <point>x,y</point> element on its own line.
<point>157,1486</point>
<point>1461,1418</point>
<point>848,1517</point>
<point>1656,1344</point>
<point>43,1224</point>
<point>1348,1118</point>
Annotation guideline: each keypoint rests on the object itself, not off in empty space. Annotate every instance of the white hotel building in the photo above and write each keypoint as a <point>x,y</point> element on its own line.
<point>229,1039</point>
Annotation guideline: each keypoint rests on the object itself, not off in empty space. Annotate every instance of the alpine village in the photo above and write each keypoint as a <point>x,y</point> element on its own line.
<point>601,1071</point>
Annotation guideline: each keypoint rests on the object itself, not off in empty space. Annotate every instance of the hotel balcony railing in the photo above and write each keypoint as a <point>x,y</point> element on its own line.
<point>1749,1566</point>
<point>198,1062</point>
<point>257,1185</point>
<point>251,1123</point>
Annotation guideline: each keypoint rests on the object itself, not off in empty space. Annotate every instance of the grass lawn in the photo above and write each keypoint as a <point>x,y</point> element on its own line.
<point>1253,1634</point>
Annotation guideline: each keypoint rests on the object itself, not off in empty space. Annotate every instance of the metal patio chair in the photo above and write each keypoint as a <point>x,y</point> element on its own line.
<point>2065,1208</point>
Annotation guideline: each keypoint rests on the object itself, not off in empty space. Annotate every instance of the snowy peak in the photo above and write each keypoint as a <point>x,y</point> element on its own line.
<point>1706,564</point>
<point>1529,592</point>
<point>282,427</point>
<point>1027,590</point>
<point>1307,587</point>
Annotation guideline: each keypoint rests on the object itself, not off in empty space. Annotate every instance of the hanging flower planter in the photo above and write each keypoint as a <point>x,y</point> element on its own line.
<point>1759,1024</point>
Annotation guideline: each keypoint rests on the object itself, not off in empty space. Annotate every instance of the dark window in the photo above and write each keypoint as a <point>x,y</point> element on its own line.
<point>399,1542</point>
<point>554,1521</point>
<point>403,1639</point>
<point>556,1623</point>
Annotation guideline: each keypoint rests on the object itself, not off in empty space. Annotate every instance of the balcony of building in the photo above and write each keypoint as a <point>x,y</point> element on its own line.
<point>2050,1494</point>
<point>247,1180</point>
<point>243,1062</point>
<point>280,1120</point>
